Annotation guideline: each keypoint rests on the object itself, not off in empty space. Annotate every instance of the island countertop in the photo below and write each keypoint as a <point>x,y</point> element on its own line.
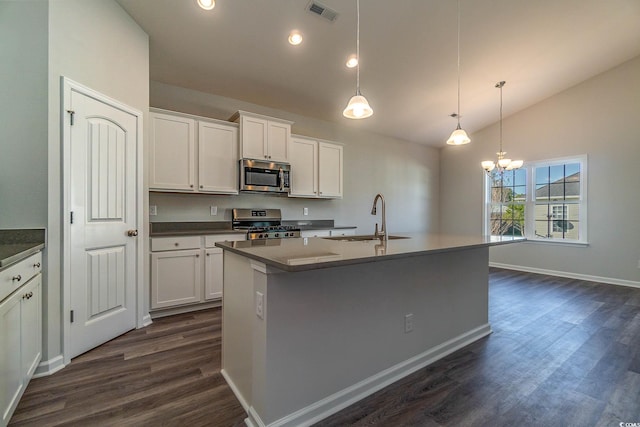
<point>316,252</point>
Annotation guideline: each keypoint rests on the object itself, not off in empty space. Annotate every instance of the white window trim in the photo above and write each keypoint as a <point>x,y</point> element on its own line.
<point>530,202</point>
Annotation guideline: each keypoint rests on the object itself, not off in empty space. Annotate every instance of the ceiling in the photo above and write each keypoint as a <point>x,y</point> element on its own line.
<point>407,49</point>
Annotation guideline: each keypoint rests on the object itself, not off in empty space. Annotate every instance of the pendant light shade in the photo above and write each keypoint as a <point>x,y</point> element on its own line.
<point>458,136</point>
<point>358,106</point>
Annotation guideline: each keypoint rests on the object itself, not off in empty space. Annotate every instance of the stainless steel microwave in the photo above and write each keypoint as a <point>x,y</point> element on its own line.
<point>261,176</point>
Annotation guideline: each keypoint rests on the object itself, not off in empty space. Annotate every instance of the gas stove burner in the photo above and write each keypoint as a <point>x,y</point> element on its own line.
<point>263,224</point>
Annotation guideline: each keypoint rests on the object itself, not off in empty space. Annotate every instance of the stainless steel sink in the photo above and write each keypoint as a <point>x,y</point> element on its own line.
<point>362,238</point>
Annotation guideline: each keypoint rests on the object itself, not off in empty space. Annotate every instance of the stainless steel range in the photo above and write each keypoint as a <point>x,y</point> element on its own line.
<point>263,224</point>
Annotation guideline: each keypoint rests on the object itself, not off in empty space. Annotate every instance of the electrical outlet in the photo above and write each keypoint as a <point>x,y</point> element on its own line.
<point>408,323</point>
<point>305,211</point>
<point>639,263</point>
<point>153,210</point>
<point>260,304</point>
<point>214,210</point>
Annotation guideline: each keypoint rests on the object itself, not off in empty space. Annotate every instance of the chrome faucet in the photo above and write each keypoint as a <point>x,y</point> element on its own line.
<point>382,233</point>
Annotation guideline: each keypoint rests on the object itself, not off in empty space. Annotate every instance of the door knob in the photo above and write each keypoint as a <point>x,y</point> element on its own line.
<point>132,233</point>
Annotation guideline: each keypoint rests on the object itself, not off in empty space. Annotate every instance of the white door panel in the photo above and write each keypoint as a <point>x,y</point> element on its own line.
<point>103,197</point>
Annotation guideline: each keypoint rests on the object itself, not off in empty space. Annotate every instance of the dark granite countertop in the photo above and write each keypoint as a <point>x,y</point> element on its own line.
<point>18,244</point>
<point>168,229</point>
<point>294,255</point>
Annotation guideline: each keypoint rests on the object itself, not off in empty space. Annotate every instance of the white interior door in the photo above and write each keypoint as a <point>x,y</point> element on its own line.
<point>102,202</point>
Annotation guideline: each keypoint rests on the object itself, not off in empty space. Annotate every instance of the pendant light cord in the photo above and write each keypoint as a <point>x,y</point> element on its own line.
<point>501,84</point>
<point>458,64</point>
<point>358,46</point>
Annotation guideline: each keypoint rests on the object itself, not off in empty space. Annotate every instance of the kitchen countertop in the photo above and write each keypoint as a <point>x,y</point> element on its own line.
<point>315,252</point>
<point>168,229</point>
<point>16,245</point>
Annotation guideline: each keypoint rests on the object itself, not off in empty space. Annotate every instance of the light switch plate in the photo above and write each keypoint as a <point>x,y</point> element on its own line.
<point>153,210</point>
<point>260,304</point>
<point>214,210</point>
<point>305,211</point>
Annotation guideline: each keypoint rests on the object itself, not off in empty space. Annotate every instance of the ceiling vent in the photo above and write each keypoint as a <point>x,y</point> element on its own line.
<point>322,11</point>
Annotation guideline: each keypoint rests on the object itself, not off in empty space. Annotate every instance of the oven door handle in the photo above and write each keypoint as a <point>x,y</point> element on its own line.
<point>281,179</point>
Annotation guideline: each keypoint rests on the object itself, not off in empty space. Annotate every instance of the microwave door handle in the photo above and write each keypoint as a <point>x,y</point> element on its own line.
<point>281,179</point>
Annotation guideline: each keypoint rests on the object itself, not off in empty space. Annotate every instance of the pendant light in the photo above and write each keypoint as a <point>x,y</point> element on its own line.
<point>358,107</point>
<point>207,4</point>
<point>458,136</point>
<point>503,163</point>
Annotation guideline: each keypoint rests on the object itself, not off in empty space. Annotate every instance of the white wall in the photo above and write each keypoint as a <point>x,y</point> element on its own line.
<point>97,44</point>
<point>599,117</point>
<point>405,173</point>
<point>23,114</point>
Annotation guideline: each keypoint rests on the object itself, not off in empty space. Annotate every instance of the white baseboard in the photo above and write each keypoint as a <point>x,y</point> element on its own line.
<point>48,367</point>
<point>146,320</point>
<point>587,277</point>
<point>340,400</point>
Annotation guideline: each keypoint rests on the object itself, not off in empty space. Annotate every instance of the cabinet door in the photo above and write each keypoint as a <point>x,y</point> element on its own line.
<point>343,232</point>
<point>213,273</point>
<point>12,380</point>
<point>31,326</point>
<point>218,158</point>
<point>304,168</point>
<point>279,140</point>
<point>175,278</point>
<point>329,170</point>
<point>253,138</point>
<point>315,233</point>
<point>172,153</point>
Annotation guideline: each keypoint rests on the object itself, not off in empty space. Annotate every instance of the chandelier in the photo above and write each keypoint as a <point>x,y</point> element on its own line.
<point>503,163</point>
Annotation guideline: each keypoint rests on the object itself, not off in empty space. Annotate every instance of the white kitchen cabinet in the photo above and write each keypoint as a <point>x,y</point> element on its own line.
<point>176,275</point>
<point>343,232</point>
<point>187,269</point>
<point>217,158</point>
<point>21,336</point>
<point>304,167</point>
<point>172,153</point>
<point>330,170</point>
<point>316,168</point>
<point>192,154</point>
<point>263,137</point>
<point>315,233</point>
<point>213,273</point>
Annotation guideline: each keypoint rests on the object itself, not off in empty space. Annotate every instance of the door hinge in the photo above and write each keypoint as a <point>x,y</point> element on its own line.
<point>71,113</point>
<point>71,217</point>
<point>71,316</point>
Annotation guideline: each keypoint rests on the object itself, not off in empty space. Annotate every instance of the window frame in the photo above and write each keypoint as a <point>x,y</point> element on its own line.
<point>531,203</point>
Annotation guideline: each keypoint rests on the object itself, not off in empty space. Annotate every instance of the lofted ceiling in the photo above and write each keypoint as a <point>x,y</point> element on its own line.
<point>407,49</point>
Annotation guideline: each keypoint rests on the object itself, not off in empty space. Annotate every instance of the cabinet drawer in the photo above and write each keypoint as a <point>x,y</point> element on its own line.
<point>210,240</point>
<point>174,243</point>
<point>19,273</point>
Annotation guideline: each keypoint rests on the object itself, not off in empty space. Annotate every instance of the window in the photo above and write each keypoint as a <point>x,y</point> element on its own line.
<point>543,201</point>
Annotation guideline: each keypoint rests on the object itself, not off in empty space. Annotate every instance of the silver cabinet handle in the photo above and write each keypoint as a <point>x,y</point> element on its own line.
<point>132,233</point>
<point>36,265</point>
<point>18,278</point>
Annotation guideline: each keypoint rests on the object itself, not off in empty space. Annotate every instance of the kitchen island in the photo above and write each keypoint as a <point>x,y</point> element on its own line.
<point>313,325</point>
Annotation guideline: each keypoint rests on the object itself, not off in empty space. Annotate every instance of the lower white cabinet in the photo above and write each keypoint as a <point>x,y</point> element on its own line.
<point>21,338</point>
<point>187,270</point>
<point>343,232</point>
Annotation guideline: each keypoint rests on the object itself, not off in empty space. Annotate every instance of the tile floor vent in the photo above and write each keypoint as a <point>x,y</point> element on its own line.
<point>322,11</point>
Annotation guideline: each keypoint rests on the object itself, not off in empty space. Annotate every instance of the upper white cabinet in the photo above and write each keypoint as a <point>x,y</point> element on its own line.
<point>264,138</point>
<point>304,167</point>
<point>192,154</point>
<point>172,163</point>
<point>330,175</point>
<point>217,158</point>
<point>316,168</point>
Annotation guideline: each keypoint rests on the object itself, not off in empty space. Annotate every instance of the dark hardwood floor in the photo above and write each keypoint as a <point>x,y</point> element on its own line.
<point>563,353</point>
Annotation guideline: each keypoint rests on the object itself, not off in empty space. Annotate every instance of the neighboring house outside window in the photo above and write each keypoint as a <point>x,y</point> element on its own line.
<point>555,211</point>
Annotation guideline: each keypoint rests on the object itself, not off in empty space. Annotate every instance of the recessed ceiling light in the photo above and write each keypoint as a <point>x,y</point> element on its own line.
<point>295,38</point>
<point>352,61</point>
<point>207,4</point>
